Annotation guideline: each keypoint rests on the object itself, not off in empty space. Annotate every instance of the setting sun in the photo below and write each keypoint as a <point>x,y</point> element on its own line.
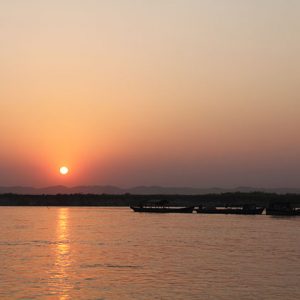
<point>64,170</point>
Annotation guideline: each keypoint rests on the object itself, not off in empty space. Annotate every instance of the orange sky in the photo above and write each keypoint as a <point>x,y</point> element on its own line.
<point>197,93</point>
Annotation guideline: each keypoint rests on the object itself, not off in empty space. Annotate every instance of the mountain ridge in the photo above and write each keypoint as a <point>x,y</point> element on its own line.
<point>142,190</point>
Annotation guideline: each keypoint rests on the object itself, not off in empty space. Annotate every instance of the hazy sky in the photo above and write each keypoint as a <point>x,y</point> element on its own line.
<point>183,93</point>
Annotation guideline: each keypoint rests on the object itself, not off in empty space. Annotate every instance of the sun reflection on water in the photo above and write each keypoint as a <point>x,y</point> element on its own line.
<point>61,275</point>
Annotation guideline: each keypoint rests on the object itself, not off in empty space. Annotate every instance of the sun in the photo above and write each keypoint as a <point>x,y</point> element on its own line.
<point>64,170</point>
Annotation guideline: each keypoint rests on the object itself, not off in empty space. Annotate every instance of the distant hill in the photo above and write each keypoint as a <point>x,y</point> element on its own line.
<point>141,190</point>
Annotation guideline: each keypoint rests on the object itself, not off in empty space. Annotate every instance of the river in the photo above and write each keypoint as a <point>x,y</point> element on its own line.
<point>114,253</point>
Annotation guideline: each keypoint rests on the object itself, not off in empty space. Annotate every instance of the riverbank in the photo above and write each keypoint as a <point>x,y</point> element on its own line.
<point>225,199</point>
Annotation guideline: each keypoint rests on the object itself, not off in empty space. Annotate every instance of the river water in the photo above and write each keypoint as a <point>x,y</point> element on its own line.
<point>114,253</point>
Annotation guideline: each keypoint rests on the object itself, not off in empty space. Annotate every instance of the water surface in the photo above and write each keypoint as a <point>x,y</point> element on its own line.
<point>113,253</point>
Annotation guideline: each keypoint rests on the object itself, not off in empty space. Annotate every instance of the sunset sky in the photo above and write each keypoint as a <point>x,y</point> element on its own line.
<point>178,93</point>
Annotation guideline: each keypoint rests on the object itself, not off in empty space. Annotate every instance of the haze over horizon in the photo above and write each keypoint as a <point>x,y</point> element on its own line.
<point>139,190</point>
<point>169,93</point>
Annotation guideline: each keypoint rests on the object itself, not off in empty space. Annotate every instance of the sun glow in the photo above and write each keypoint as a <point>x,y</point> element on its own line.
<point>64,170</point>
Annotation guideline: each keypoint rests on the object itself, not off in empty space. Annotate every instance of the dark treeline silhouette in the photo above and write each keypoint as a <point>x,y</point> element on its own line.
<point>225,199</point>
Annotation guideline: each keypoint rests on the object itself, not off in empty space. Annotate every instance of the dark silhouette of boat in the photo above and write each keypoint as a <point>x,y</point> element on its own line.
<point>282,209</point>
<point>160,206</point>
<point>149,209</point>
<point>244,210</point>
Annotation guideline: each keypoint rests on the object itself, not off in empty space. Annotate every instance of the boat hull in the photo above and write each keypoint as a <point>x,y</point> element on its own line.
<point>232,211</point>
<point>163,210</point>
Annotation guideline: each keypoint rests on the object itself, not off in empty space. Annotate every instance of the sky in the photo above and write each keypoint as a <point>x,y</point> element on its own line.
<point>198,93</point>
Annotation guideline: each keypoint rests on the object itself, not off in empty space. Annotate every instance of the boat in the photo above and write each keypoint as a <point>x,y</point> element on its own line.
<point>282,209</point>
<point>153,209</point>
<point>160,206</point>
<point>244,210</point>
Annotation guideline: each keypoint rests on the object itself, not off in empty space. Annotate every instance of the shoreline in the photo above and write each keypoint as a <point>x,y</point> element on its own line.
<point>125,200</point>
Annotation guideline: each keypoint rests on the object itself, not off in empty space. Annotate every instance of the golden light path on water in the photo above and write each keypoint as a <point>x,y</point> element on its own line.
<point>62,263</point>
